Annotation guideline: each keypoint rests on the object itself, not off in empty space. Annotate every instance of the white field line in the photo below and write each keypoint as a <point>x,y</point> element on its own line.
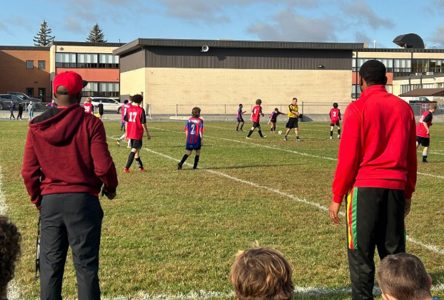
<point>430,247</point>
<point>285,150</point>
<point>13,289</point>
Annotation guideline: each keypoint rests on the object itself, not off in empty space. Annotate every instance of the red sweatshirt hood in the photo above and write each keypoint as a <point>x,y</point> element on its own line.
<point>60,128</point>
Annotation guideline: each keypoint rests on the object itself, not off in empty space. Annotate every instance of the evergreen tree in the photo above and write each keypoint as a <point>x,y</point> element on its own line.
<point>43,38</point>
<point>96,35</point>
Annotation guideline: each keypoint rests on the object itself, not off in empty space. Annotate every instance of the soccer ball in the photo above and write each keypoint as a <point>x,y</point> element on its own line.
<point>280,131</point>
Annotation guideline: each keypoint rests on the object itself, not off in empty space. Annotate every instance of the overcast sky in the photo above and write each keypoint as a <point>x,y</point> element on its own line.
<point>271,20</point>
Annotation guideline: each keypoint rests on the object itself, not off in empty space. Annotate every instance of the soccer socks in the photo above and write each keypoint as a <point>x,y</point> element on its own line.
<point>196,161</point>
<point>424,158</point>
<point>339,131</point>
<point>130,160</point>
<point>139,162</point>
<point>250,133</point>
<point>184,158</point>
<point>331,133</point>
<point>260,133</point>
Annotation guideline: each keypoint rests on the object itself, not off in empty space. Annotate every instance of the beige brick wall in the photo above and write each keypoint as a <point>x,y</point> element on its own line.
<point>221,90</point>
<point>133,82</point>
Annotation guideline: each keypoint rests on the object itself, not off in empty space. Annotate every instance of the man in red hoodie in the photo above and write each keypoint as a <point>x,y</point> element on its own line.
<point>376,174</point>
<point>65,164</point>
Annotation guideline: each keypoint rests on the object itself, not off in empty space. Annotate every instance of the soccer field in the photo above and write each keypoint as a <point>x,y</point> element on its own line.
<point>173,234</point>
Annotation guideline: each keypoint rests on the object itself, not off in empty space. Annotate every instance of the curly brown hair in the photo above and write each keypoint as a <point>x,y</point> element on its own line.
<point>10,239</point>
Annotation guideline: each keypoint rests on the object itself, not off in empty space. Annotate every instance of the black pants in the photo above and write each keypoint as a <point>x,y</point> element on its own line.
<point>73,220</point>
<point>375,219</point>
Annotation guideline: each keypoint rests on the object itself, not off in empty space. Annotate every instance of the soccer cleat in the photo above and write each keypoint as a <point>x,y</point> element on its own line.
<point>179,166</point>
<point>285,138</point>
<point>248,138</point>
<point>118,143</point>
<point>298,139</point>
<point>339,136</point>
<point>264,136</point>
<point>126,170</point>
<point>331,137</point>
<point>142,170</point>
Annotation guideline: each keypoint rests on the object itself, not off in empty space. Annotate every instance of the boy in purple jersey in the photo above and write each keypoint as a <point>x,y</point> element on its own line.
<point>273,119</point>
<point>194,134</point>
<point>240,118</point>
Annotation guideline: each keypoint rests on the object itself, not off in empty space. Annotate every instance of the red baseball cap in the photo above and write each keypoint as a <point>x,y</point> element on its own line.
<point>72,81</point>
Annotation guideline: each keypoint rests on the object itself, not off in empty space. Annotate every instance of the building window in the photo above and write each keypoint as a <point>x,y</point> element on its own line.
<point>356,91</point>
<point>30,92</point>
<point>29,64</point>
<point>42,65</point>
<point>101,89</point>
<point>65,60</point>
<point>42,94</point>
<point>86,60</point>
<point>108,61</point>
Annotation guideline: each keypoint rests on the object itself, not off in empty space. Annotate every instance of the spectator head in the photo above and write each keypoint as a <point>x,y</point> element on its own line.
<point>195,112</point>
<point>258,101</point>
<point>433,106</point>
<point>261,273</point>
<point>137,98</point>
<point>9,252</point>
<point>403,276</point>
<point>67,87</point>
<point>372,72</point>
<point>335,105</point>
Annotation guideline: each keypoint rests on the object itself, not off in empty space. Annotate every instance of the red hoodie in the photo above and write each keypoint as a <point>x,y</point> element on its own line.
<point>378,145</point>
<point>66,152</point>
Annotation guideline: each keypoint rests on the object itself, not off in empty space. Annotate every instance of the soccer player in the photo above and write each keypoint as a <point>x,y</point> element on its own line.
<point>293,119</point>
<point>87,105</point>
<point>423,131</point>
<point>240,118</point>
<point>123,111</point>
<point>261,273</point>
<point>256,118</point>
<point>375,175</point>
<point>273,119</point>
<point>335,117</point>
<point>135,126</point>
<point>194,129</point>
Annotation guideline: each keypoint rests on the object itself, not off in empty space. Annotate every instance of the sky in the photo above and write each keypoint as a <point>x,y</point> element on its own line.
<point>375,23</point>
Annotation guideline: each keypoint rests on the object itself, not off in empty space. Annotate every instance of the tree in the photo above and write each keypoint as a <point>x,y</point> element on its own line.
<point>43,38</point>
<point>96,35</point>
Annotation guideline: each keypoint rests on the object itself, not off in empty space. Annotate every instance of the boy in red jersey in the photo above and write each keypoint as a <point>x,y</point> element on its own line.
<point>87,105</point>
<point>335,117</point>
<point>194,134</point>
<point>256,118</point>
<point>123,111</point>
<point>423,131</point>
<point>375,174</point>
<point>135,126</point>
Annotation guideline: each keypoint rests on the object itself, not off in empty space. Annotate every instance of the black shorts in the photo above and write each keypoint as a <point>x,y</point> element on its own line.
<point>423,141</point>
<point>240,119</point>
<point>137,144</point>
<point>256,125</point>
<point>292,123</point>
<point>335,123</point>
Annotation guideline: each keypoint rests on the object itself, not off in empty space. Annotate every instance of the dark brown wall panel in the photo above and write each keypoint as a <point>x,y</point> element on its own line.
<point>133,61</point>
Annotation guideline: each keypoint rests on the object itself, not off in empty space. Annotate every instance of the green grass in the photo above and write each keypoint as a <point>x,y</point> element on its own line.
<point>161,236</point>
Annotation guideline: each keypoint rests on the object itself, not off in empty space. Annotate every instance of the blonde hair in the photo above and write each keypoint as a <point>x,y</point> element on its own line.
<point>403,276</point>
<point>261,274</point>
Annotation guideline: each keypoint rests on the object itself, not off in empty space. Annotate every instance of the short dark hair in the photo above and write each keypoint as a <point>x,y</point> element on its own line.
<point>403,276</point>
<point>195,112</point>
<point>373,72</point>
<point>137,98</point>
<point>258,101</point>
<point>335,105</point>
<point>126,101</point>
<point>10,239</point>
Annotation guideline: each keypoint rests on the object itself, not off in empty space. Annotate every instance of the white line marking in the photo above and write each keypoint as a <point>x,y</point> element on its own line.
<point>13,288</point>
<point>431,175</point>
<point>429,247</point>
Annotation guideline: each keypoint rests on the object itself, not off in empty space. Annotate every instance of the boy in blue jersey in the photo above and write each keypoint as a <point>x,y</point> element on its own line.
<point>194,134</point>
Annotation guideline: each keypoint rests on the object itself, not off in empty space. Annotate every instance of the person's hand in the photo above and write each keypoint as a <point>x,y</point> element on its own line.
<point>408,203</point>
<point>333,211</point>
<point>108,194</point>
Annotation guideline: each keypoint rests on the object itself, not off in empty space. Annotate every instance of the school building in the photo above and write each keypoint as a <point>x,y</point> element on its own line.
<point>174,75</point>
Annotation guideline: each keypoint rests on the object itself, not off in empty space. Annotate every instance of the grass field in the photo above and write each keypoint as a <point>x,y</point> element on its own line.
<point>174,233</point>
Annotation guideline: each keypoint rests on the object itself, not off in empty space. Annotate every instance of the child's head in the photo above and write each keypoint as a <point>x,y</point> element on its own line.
<point>137,98</point>
<point>261,273</point>
<point>403,276</point>
<point>294,101</point>
<point>335,105</point>
<point>9,252</point>
<point>276,109</point>
<point>195,112</point>
<point>433,106</point>
<point>241,105</point>
<point>126,101</point>
<point>258,101</point>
